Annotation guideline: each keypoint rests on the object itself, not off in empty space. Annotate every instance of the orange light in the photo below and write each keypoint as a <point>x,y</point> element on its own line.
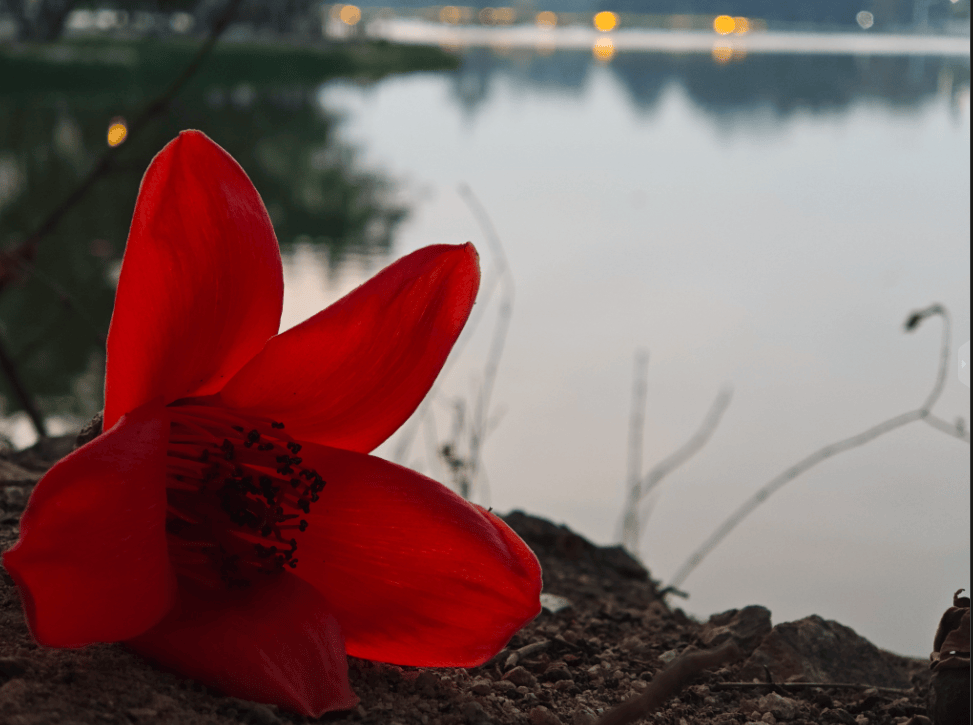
<point>349,15</point>
<point>546,19</point>
<point>605,21</point>
<point>449,14</point>
<point>603,49</point>
<point>504,16</point>
<point>722,53</point>
<point>724,24</point>
<point>741,26</point>
<point>117,132</point>
<point>486,16</point>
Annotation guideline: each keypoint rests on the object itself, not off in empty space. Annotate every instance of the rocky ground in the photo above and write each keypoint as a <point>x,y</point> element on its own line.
<point>605,637</point>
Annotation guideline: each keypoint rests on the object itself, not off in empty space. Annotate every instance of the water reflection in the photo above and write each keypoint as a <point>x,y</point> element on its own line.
<point>55,307</point>
<point>720,85</point>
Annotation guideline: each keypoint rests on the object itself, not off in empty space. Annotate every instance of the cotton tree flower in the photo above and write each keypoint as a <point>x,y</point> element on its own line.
<point>230,523</point>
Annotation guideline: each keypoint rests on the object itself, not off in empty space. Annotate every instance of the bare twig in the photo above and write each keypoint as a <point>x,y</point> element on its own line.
<point>467,469</point>
<point>796,686</point>
<point>24,254</point>
<point>23,397</point>
<point>676,675</point>
<point>636,434</point>
<point>763,493</point>
<point>154,108</point>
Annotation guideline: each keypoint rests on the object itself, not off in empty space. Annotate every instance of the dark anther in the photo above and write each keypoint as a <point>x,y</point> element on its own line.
<point>285,470</point>
<point>227,449</point>
<point>204,456</point>
<point>265,531</point>
<point>303,525</point>
<point>212,472</point>
<point>293,543</point>
<point>238,428</point>
<point>292,563</point>
<point>276,425</point>
<point>318,485</point>
<point>265,447</point>
<point>294,448</point>
<point>252,437</point>
<point>295,483</point>
<point>283,459</point>
<point>295,461</point>
<point>304,505</point>
<point>314,497</point>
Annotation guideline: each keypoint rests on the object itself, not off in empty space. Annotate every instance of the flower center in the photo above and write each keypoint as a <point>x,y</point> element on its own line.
<point>236,491</point>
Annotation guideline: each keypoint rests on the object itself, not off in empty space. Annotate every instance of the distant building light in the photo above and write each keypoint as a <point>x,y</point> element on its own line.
<point>741,26</point>
<point>724,24</point>
<point>546,19</point>
<point>606,21</point>
<point>865,19</point>
<point>349,15</point>
<point>117,132</point>
<point>603,49</point>
<point>449,14</point>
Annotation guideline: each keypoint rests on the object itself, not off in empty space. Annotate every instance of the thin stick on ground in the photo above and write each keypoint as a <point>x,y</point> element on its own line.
<point>676,675</point>
<point>20,391</point>
<point>775,484</point>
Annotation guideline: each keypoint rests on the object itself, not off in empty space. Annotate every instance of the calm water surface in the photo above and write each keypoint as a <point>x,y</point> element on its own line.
<point>768,224</point>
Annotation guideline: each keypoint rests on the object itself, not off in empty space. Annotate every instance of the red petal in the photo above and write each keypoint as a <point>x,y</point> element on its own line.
<point>272,643</point>
<point>352,374</point>
<point>414,574</point>
<point>92,562</point>
<point>201,287</point>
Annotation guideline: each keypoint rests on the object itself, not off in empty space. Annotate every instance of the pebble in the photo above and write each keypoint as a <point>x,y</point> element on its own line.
<point>475,714</point>
<point>542,716</point>
<point>481,686</point>
<point>782,708</point>
<point>520,677</point>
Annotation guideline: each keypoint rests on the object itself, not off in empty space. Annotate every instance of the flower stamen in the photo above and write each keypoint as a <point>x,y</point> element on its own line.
<point>233,491</point>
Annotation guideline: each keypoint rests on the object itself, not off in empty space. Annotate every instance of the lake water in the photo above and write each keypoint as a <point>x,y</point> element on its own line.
<point>765,223</point>
<point>750,218</point>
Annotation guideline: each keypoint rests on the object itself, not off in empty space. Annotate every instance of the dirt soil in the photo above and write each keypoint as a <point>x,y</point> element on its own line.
<point>612,637</point>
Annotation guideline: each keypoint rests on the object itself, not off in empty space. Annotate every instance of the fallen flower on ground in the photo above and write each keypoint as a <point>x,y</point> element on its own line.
<point>230,523</point>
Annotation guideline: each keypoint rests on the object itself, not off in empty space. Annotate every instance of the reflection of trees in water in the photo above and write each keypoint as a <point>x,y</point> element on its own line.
<point>733,91</point>
<point>563,72</point>
<point>47,144</point>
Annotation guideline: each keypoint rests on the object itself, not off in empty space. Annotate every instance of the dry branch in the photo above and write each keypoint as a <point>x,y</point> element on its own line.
<point>676,675</point>
<point>776,483</point>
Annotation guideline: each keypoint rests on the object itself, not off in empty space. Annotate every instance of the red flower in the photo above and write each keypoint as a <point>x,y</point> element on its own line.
<point>230,523</point>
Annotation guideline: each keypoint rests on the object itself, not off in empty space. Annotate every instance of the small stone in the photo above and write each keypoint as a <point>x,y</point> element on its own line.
<point>669,656</point>
<point>862,720</point>
<point>504,687</point>
<point>584,717</point>
<point>481,686</point>
<point>769,719</point>
<point>562,685</point>
<point>837,715</point>
<point>474,713</point>
<point>12,667</point>
<point>428,683</point>
<point>782,708</point>
<point>542,716</point>
<point>520,677</point>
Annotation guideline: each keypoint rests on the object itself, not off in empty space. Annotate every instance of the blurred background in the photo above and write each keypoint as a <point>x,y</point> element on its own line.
<point>670,198</point>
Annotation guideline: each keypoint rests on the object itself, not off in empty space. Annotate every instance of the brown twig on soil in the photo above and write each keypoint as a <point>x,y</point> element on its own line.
<point>667,683</point>
<point>924,412</point>
<point>807,686</point>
